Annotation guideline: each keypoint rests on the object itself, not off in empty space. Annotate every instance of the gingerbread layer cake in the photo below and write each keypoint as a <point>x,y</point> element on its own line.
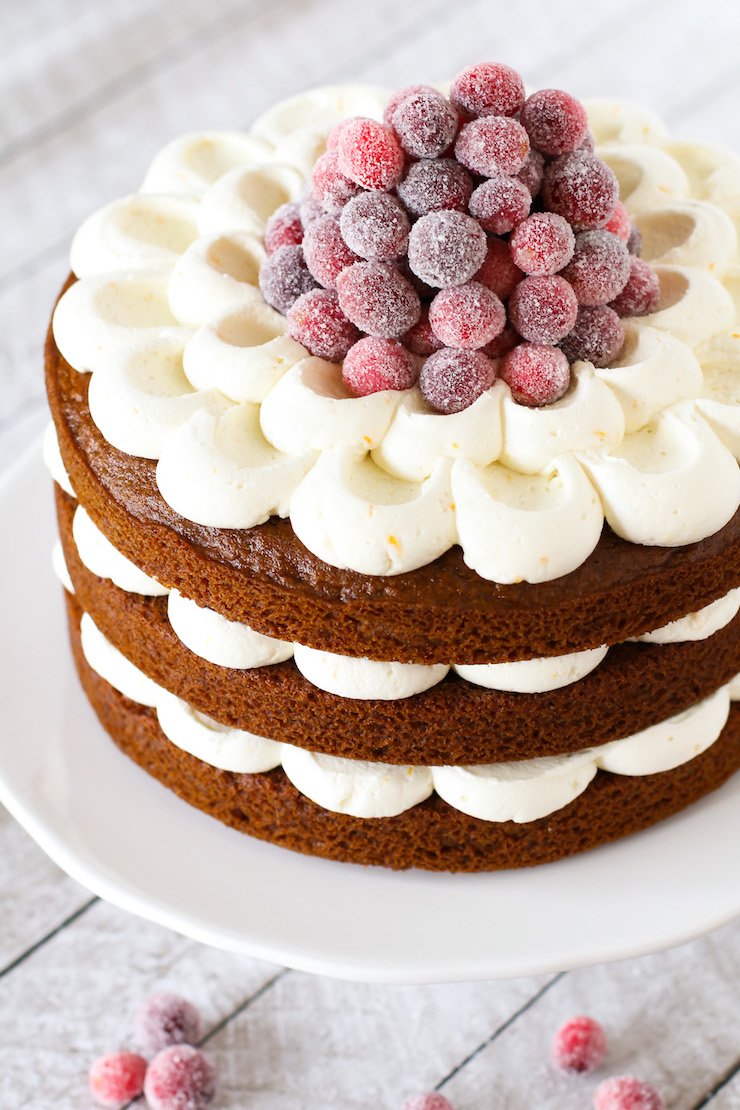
<point>395,445</point>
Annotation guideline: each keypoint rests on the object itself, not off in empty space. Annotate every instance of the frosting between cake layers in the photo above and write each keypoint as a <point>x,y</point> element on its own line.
<point>518,791</point>
<point>190,367</point>
<point>232,644</point>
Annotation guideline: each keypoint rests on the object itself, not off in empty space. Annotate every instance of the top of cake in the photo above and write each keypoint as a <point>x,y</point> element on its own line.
<point>416,320</point>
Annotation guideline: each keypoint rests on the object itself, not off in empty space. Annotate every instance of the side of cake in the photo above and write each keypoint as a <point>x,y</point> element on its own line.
<point>399,516</point>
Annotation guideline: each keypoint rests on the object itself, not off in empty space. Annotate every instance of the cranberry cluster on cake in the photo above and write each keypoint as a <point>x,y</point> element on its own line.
<point>396,454</point>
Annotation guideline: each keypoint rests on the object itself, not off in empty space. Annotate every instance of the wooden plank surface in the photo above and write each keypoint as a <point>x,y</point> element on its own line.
<point>88,92</point>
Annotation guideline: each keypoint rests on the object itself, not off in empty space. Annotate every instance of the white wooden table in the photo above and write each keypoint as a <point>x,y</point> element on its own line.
<point>89,90</point>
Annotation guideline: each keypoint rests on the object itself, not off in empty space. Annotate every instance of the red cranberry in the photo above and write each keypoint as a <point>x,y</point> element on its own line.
<point>624,1092</point>
<point>505,341</point>
<point>329,186</point>
<point>536,374</point>
<point>641,293</point>
<point>492,144</point>
<point>284,228</point>
<point>555,121</point>
<point>420,339</point>
<point>374,364</point>
<point>579,1045</point>
<point>326,251</point>
<point>619,223</point>
<point>488,89</point>
<point>467,316</point>
<point>543,309</point>
<point>317,321</point>
<point>400,95</point>
<point>532,172</point>
<point>117,1078</point>
<point>378,299</point>
<point>597,336</point>
<point>499,271</point>
<point>425,124</point>
<point>375,225</point>
<point>542,244</point>
<point>451,379</point>
<point>446,248</point>
<point>581,188</point>
<point>180,1078</point>
<point>284,277</point>
<point>599,268</point>
<point>431,186</point>
<point>369,154</point>
<point>500,203</point>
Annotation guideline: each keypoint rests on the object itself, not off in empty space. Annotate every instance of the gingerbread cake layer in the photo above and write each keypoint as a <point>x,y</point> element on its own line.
<point>265,577</point>
<point>432,835</point>
<point>637,685</point>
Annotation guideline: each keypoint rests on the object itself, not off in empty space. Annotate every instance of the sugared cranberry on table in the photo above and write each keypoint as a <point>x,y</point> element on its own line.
<point>431,1100</point>
<point>116,1078</point>
<point>180,1078</point>
<point>579,1045</point>
<point>625,1092</point>
<point>166,1019</point>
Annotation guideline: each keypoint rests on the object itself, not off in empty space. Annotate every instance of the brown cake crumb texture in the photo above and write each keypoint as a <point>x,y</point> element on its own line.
<point>265,577</point>
<point>637,685</point>
<point>432,835</point>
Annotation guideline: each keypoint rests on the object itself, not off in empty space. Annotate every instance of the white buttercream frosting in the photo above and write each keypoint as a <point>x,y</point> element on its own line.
<point>366,679</point>
<point>53,460</point>
<point>699,625</point>
<point>516,791</point>
<point>533,676</point>
<point>59,565</point>
<point>223,642</point>
<point>168,316</point>
<point>100,557</point>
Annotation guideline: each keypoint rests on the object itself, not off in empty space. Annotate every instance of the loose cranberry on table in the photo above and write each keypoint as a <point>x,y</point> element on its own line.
<point>625,1092</point>
<point>374,364</point>
<point>116,1078</point>
<point>166,1019</point>
<point>180,1078</point>
<point>431,1100</point>
<point>579,1045</point>
<point>536,374</point>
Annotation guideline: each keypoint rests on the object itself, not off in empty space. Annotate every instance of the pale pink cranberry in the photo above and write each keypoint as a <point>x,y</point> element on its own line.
<point>500,203</point>
<point>369,154</point>
<point>434,185</point>
<point>488,89</point>
<point>492,144</point>
<point>425,123</point>
<point>555,121</point>
<point>536,374</point>
<point>166,1019</point>
<point>452,379</point>
<point>116,1078</point>
<point>446,248</point>
<point>641,293</point>
<point>284,228</point>
<point>624,1092</point>
<point>543,309</point>
<point>180,1078</point>
<point>579,1045</point>
<point>317,321</point>
<point>375,226</point>
<point>542,244</point>
<point>374,364</point>
<point>499,272</point>
<point>467,316</point>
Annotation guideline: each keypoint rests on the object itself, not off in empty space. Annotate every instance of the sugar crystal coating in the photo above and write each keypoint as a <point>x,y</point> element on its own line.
<point>116,1078</point>
<point>625,1092</point>
<point>536,374</point>
<point>425,124</point>
<point>543,309</point>
<point>597,336</point>
<point>369,154</point>
<point>375,226</point>
<point>329,186</point>
<point>446,248</point>
<point>492,144</point>
<point>579,1045</point>
<point>499,271</point>
<point>581,188</point>
<point>467,316</point>
<point>451,379</point>
<point>505,341</point>
<point>619,223</point>
<point>488,89</point>
<point>374,364</point>
<point>284,228</point>
<point>317,321</point>
<point>310,210</point>
<point>326,252</point>
<point>400,95</point>
<point>542,244</point>
<point>599,268</point>
<point>432,186</point>
<point>555,121</point>
<point>180,1078</point>
<point>284,277</point>
<point>641,292</point>
<point>500,203</point>
<point>533,171</point>
<point>165,1019</point>
<point>378,299</point>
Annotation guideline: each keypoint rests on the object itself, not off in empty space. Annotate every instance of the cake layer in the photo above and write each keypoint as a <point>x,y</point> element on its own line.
<point>265,577</point>
<point>636,686</point>
<point>431,835</point>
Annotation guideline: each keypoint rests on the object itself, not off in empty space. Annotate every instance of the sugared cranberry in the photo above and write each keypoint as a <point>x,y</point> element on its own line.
<point>451,379</point>
<point>166,1019</point>
<point>488,89</point>
<point>535,374</point>
<point>619,223</point>
<point>505,341</point>
<point>284,228</point>
<point>329,186</point>
<point>180,1078</point>
<point>400,95</point>
<point>425,124</point>
<point>532,172</point>
<point>378,299</point>
<point>446,248</point>
<point>555,121</point>
<point>542,244</point>
<point>420,339</point>
<point>641,293</point>
<point>579,1045</point>
<point>116,1078</point>
<point>634,243</point>
<point>310,210</point>
<point>326,251</point>
<point>543,309</point>
<point>624,1092</point>
<point>373,364</point>
<point>375,226</point>
<point>369,154</point>
<point>467,316</point>
<point>581,188</point>
<point>492,144</point>
<point>317,321</point>
<point>597,336</point>
<point>500,203</point>
<point>332,141</point>
<point>587,143</point>
<point>432,186</point>
<point>284,277</point>
<point>599,267</point>
<point>499,272</point>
